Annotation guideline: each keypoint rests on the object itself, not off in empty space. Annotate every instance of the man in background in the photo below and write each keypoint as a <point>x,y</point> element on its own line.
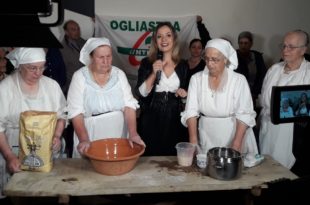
<point>72,44</point>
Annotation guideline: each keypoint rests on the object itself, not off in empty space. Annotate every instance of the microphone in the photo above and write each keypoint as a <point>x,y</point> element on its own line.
<point>158,73</point>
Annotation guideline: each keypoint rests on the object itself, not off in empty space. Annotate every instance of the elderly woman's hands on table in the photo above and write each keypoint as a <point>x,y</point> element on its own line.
<point>56,144</point>
<point>13,163</point>
<point>136,139</point>
<point>83,146</point>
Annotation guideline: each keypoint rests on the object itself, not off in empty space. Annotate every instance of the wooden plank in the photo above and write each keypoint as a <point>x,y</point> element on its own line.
<point>76,177</point>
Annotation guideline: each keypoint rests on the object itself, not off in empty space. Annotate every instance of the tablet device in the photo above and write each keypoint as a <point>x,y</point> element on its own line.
<point>290,104</point>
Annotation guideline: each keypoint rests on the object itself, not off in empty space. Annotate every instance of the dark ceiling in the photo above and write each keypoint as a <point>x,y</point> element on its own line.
<point>21,26</point>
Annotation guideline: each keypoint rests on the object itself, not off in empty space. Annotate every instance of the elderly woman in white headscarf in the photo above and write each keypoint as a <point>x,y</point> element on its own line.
<point>221,99</point>
<point>100,101</point>
<point>26,89</point>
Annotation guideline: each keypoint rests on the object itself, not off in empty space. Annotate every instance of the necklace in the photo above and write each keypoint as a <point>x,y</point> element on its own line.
<point>213,91</point>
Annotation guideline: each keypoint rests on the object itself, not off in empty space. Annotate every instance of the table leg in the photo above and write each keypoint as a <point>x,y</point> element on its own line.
<point>64,199</point>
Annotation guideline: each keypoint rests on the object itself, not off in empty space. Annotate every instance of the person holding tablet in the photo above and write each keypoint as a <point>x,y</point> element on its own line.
<point>280,141</point>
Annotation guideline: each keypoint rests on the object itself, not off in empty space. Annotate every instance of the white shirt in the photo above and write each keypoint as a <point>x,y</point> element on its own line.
<point>234,100</point>
<point>13,101</point>
<point>277,140</point>
<point>170,84</point>
<point>87,97</point>
<point>220,110</point>
<point>286,114</point>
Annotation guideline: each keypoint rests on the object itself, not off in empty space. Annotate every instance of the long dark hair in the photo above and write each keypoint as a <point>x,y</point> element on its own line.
<point>194,41</point>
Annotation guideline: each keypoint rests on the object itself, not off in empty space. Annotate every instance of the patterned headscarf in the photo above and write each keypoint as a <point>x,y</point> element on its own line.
<point>226,49</point>
<point>90,45</point>
<point>20,56</point>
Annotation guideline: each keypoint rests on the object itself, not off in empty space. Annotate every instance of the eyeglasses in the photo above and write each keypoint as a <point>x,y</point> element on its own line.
<point>33,69</point>
<point>290,47</point>
<point>213,60</point>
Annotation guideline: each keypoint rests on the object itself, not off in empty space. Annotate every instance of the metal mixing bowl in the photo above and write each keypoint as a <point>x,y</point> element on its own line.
<point>224,163</point>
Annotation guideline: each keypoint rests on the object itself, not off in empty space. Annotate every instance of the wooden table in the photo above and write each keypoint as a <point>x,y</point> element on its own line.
<point>76,177</point>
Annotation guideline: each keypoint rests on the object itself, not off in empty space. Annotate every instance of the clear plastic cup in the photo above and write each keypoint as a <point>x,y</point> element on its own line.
<point>201,160</point>
<point>185,153</point>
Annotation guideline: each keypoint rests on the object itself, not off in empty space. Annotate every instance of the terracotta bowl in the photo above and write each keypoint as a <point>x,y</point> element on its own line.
<point>114,156</point>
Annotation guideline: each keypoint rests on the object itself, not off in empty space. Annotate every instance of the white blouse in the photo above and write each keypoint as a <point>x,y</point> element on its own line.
<point>87,97</point>
<point>13,101</point>
<point>234,100</point>
<point>276,140</point>
<point>166,84</point>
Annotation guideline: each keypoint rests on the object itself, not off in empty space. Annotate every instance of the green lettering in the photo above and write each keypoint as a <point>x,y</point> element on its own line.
<point>123,25</point>
<point>143,26</point>
<point>177,26</point>
<point>137,25</point>
<point>114,25</point>
<point>130,27</point>
<point>152,25</point>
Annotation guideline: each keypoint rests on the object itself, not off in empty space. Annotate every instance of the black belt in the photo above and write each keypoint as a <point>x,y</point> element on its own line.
<point>93,115</point>
<point>163,97</point>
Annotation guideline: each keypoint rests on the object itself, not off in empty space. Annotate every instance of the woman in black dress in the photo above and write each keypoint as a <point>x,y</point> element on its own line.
<point>160,97</point>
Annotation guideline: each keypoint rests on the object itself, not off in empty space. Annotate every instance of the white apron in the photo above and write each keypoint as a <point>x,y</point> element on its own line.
<point>21,103</point>
<point>12,135</point>
<point>277,140</point>
<point>108,125</point>
<point>212,134</point>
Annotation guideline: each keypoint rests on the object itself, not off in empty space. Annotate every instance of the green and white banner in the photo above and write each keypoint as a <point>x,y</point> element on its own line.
<point>131,37</point>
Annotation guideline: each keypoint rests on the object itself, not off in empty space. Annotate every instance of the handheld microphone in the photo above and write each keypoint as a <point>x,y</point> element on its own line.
<point>158,73</point>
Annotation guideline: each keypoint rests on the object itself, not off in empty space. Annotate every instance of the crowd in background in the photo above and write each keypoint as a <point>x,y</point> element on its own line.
<point>217,91</point>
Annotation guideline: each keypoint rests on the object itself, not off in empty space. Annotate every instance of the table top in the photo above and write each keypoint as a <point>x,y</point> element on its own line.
<point>76,177</point>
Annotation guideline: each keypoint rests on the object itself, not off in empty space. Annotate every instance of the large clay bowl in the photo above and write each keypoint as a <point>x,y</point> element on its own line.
<point>114,156</point>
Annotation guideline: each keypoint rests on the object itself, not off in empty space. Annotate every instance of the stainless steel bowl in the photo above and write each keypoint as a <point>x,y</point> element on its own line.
<point>224,163</point>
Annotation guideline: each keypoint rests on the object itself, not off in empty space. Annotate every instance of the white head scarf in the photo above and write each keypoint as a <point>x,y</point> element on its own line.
<point>284,100</point>
<point>90,45</point>
<point>20,56</point>
<point>226,49</point>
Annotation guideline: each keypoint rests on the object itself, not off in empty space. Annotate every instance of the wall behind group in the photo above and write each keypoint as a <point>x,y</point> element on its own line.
<point>267,20</point>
